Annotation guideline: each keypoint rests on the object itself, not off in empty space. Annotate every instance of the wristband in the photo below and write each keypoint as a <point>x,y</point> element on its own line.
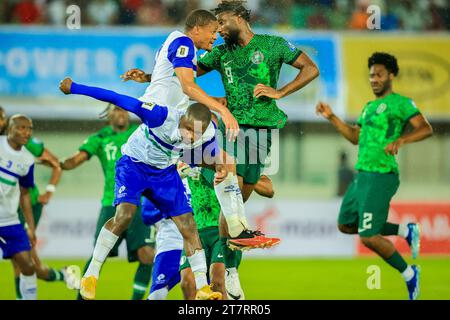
<point>50,188</point>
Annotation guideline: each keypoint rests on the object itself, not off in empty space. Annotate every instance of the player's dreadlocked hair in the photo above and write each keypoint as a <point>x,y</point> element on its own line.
<point>385,59</point>
<point>105,113</point>
<point>235,6</point>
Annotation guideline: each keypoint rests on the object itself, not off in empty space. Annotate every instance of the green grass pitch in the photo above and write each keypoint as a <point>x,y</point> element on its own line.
<point>290,279</point>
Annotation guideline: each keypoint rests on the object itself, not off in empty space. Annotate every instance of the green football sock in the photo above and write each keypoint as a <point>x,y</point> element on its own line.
<point>54,275</point>
<point>17,283</point>
<point>397,262</point>
<point>389,229</point>
<point>141,281</point>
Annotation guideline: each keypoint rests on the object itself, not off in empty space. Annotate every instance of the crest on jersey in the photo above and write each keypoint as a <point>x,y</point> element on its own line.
<point>258,57</point>
<point>182,52</point>
<point>381,108</point>
<point>182,260</point>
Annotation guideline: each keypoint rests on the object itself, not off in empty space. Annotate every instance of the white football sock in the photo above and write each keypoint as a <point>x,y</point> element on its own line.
<point>240,204</point>
<point>227,196</point>
<point>28,287</point>
<point>408,274</point>
<point>403,230</point>
<point>105,242</point>
<point>198,267</point>
<point>160,294</point>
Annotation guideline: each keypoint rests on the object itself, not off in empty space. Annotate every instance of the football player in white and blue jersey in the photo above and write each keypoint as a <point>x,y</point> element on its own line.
<point>16,177</point>
<point>173,76</point>
<point>147,168</point>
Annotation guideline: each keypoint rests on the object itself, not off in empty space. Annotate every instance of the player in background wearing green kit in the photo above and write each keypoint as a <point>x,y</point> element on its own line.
<point>38,201</point>
<point>250,66</point>
<point>106,145</point>
<point>206,209</point>
<point>380,133</point>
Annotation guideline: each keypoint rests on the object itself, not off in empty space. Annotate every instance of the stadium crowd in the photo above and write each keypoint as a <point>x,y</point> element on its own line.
<point>410,15</point>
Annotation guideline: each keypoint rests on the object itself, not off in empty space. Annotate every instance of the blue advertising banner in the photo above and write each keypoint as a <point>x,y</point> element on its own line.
<point>34,60</point>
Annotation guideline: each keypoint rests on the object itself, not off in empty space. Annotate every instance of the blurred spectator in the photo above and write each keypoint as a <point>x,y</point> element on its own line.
<point>300,13</point>
<point>414,15</point>
<point>412,18</point>
<point>389,20</point>
<point>151,13</point>
<point>438,13</point>
<point>26,12</point>
<point>345,174</point>
<point>176,11</point>
<point>128,11</point>
<point>338,13</point>
<point>358,20</point>
<point>56,11</point>
<point>270,14</point>
<point>102,12</point>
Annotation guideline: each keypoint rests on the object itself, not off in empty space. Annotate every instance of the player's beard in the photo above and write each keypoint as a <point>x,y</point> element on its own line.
<point>233,37</point>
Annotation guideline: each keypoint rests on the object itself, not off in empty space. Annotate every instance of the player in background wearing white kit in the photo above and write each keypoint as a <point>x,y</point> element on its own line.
<point>16,177</point>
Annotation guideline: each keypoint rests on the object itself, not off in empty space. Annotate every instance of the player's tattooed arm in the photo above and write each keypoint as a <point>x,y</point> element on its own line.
<point>137,75</point>
<point>74,161</point>
<point>308,72</point>
<point>421,129</point>
<point>351,133</point>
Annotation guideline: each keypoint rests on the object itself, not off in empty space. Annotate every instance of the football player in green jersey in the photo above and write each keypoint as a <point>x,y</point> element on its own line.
<point>380,133</point>
<point>250,66</point>
<point>38,201</point>
<point>106,145</point>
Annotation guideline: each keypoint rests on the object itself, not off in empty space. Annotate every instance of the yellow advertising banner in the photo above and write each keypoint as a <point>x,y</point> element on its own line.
<point>424,76</point>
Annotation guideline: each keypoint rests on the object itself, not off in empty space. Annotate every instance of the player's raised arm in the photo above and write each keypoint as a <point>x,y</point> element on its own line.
<point>351,133</point>
<point>151,115</point>
<point>137,75</point>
